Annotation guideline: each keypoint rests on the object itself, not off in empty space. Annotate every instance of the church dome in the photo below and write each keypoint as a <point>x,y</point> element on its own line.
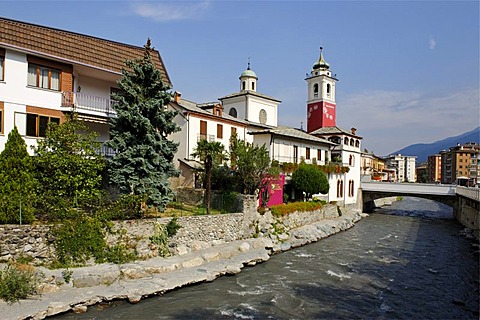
<point>321,63</point>
<point>249,73</point>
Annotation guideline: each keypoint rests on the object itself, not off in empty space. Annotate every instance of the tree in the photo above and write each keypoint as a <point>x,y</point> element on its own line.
<point>210,153</point>
<point>310,179</point>
<point>144,156</point>
<point>251,163</point>
<point>68,168</point>
<point>18,184</point>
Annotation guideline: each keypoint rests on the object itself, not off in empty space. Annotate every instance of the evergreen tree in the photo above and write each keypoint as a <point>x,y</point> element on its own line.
<point>68,168</point>
<point>17,181</point>
<point>144,159</point>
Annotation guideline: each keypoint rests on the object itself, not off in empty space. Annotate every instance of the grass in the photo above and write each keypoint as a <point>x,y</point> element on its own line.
<point>177,209</point>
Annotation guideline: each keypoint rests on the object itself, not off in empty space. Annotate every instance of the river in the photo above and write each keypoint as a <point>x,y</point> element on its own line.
<point>405,261</point>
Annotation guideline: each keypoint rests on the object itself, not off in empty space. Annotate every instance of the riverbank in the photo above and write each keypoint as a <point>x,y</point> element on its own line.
<point>134,281</point>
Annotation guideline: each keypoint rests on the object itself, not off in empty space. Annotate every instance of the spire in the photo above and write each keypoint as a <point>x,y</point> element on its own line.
<point>321,63</point>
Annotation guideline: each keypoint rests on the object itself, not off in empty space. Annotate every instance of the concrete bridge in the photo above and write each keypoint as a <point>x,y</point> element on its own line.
<point>464,201</point>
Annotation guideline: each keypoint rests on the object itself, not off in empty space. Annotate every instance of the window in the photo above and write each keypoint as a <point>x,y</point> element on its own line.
<point>345,141</point>
<point>37,124</point>
<point>319,155</point>
<point>219,131</point>
<point>203,129</point>
<point>307,153</point>
<point>328,88</point>
<point>339,188</point>
<point>233,112</point>
<point>2,61</point>
<point>351,160</point>
<point>43,77</point>
<point>351,188</point>
<point>243,85</point>
<point>1,121</point>
<point>295,154</point>
<point>253,86</point>
<point>352,142</point>
<point>262,116</point>
<point>357,143</point>
<point>315,90</point>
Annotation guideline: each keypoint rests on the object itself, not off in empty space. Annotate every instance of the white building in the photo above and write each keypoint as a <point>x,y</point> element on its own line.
<point>46,73</point>
<point>404,167</point>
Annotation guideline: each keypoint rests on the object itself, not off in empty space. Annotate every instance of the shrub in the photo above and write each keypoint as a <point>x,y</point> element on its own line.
<point>160,238</point>
<point>172,227</point>
<point>18,282</point>
<point>286,208</point>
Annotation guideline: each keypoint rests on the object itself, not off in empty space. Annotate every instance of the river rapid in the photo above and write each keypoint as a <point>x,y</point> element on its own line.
<point>405,261</point>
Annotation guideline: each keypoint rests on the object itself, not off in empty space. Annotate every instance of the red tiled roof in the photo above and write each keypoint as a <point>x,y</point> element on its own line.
<point>74,47</point>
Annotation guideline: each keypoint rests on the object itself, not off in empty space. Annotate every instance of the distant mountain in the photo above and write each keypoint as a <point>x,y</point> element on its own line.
<point>423,150</point>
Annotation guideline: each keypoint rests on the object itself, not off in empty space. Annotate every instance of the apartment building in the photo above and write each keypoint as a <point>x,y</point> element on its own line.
<point>404,167</point>
<point>46,73</point>
<point>434,168</point>
<point>461,164</point>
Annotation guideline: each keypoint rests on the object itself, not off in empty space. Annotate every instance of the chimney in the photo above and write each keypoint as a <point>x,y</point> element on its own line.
<point>177,96</point>
<point>353,130</point>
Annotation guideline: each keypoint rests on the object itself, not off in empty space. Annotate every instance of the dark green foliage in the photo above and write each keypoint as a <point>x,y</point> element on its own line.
<point>310,179</point>
<point>79,239</point>
<point>17,282</point>
<point>144,160</point>
<point>251,163</point>
<point>172,227</point>
<point>211,154</point>
<point>17,181</point>
<point>68,169</point>
<point>125,207</point>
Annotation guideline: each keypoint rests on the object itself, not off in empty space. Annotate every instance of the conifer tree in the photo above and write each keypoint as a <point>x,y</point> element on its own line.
<point>144,159</point>
<point>17,181</point>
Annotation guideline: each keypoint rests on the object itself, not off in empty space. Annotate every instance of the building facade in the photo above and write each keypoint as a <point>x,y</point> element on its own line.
<point>404,167</point>
<point>48,73</point>
<point>461,164</point>
<point>434,168</point>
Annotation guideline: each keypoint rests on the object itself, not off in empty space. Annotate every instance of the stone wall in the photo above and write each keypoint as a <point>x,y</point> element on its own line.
<point>467,213</point>
<point>196,233</point>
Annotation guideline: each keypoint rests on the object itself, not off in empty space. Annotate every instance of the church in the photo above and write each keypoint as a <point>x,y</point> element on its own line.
<point>253,117</point>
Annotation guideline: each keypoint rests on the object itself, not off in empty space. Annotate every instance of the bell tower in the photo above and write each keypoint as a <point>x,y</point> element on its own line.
<point>321,105</point>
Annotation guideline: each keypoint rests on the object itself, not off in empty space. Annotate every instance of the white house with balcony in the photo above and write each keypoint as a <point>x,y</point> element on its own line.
<point>46,73</point>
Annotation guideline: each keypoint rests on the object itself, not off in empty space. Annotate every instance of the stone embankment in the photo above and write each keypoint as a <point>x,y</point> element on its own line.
<point>199,257</point>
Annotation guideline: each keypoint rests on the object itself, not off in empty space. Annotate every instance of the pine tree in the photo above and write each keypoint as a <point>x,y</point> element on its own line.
<point>17,181</point>
<point>144,159</point>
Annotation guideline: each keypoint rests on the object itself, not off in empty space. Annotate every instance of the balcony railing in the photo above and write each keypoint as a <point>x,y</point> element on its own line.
<point>80,101</point>
<point>208,137</point>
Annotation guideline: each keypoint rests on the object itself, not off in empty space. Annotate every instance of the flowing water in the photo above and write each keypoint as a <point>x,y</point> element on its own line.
<point>406,261</point>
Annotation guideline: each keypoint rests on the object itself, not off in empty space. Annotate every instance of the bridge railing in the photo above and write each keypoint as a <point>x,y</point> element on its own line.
<point>471,193</point>
<point>409,188</point>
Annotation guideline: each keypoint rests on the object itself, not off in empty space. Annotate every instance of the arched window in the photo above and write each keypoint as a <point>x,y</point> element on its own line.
<point>253,86</point>
<point>315,90</point>
<point>351,160</point>
<point>357,143</point>
<point>233,112</point>
<point>339,188</point>
<point>352,142</point>
<point>328,88</point>
<point>262,116</point>
<point>244,85</point>
<point>345,141</point>
<point>351,188</point>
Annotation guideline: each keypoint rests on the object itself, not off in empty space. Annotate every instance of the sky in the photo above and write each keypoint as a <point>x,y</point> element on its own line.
<point>408,71</point>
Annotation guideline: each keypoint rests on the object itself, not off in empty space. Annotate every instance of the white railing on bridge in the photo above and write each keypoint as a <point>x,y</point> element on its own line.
<point>471,193</point>
<point>409,188</point>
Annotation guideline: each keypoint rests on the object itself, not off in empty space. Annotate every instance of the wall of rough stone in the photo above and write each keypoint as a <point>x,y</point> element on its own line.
<point>196,232</point>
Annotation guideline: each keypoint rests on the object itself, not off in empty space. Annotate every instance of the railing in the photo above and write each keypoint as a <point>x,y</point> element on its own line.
<point>87,102</point>
<point>208,137</point>
<point>471,193</point>
<point>106,151</point>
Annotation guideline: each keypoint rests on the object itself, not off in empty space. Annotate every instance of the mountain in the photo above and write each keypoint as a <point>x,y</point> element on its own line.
<point>423,150</point>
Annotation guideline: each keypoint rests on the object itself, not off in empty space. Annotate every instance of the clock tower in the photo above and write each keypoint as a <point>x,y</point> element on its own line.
<point>321,106</point>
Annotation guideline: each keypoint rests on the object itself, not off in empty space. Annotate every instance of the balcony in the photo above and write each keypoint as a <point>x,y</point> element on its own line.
<point>83,103</point>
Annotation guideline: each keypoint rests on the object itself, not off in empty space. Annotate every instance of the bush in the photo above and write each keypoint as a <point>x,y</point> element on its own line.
<point>283,209</point>
<point>17,282</point>
<point>172,227</point>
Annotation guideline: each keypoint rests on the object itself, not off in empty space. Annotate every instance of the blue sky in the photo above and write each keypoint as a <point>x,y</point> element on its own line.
<point>408,70</point>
